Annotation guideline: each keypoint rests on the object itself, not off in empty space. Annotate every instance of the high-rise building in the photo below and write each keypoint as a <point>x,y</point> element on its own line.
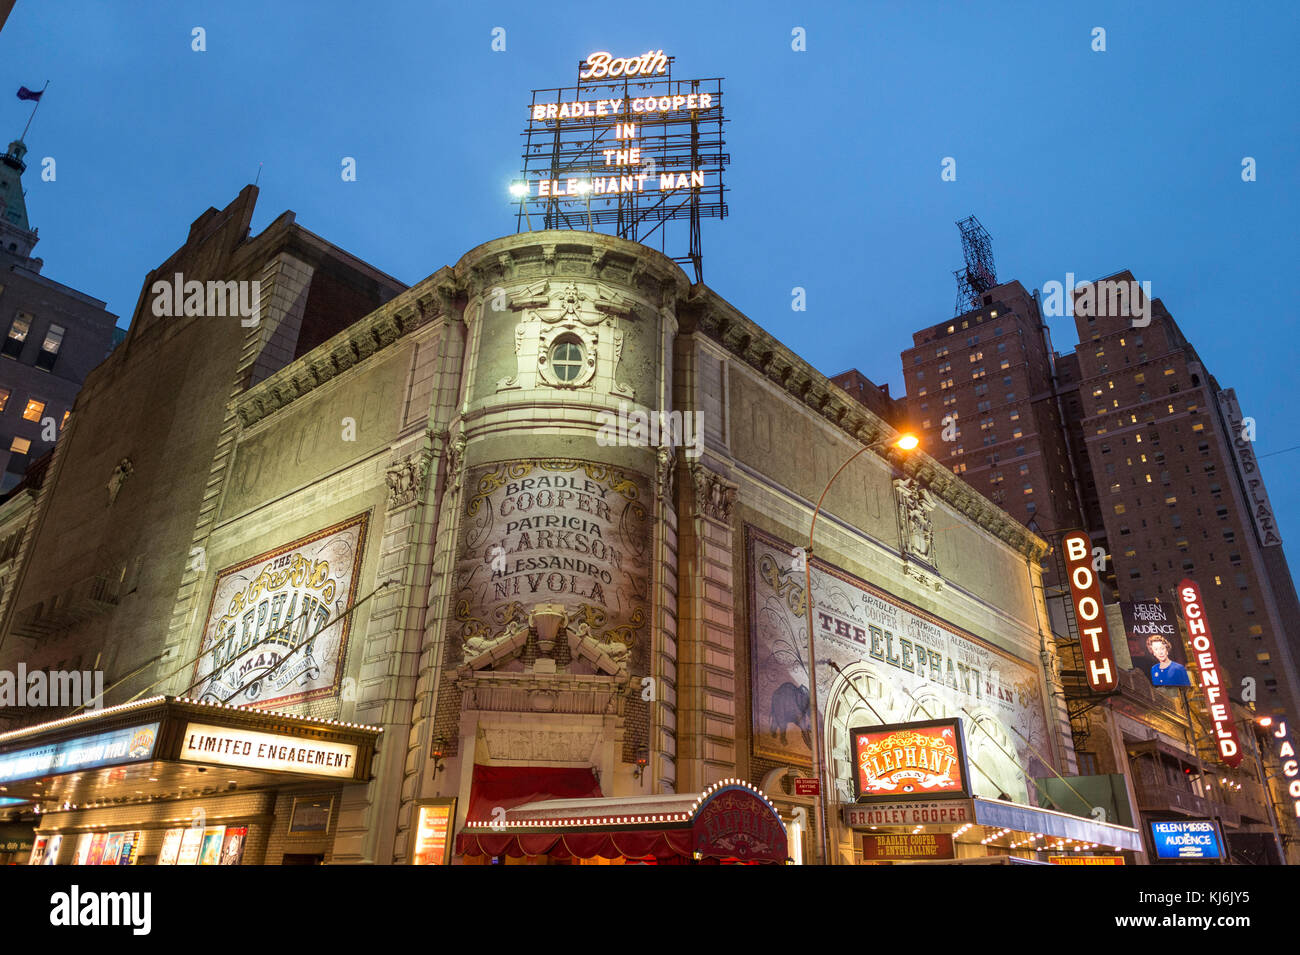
<point>53,335</point>
<point>1179,492</point>
<point>875,397</point>
<point>979,388</point>
<point>1129,438</point>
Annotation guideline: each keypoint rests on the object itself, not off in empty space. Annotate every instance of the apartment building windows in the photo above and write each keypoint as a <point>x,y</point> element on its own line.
<point>49,352</point>
<point>21,325</point>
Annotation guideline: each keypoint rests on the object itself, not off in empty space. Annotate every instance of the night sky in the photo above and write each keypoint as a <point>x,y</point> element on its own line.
<point>1076,161</point>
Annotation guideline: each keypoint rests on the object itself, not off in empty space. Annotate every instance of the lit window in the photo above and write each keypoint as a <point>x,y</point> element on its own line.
<point>33,410</point>
<point>1119,508</point>
<point>1262,656</point>
<point>66,415</point>
<point>1198,426</point>
<point>22,324</point>
<point>4,398</point>
<point>20,446</point>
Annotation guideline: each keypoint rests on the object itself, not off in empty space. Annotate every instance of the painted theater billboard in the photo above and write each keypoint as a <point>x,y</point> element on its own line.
<point>276,628</point>
<point>1094,635</point>
<point>557,531</point>
<point>1154,643</point>
<point>908,760</point>
<point>1212,675</point>
<point>909,664</point>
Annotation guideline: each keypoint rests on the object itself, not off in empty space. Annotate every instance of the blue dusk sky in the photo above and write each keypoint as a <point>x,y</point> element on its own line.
<point>1075,160</point>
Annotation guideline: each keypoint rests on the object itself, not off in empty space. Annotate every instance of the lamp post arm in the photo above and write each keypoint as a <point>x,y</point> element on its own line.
<point>815,721</point>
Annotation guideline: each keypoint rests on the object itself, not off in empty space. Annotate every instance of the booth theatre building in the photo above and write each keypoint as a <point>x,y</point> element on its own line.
<point>511,564</point>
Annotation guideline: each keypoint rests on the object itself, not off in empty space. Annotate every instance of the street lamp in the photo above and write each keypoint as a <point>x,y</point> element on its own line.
<point>584,189</point>
<point>904,442</point>
<point>520,191</point>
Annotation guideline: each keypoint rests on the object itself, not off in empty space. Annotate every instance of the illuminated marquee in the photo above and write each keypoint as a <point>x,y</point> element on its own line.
<point>1225,731</point>
<point>1098,655</point>
<point>273,751</point>
<point>627,146</point>
<point>909,759</point>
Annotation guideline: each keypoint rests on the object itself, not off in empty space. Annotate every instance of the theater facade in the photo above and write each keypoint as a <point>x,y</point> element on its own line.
<point>526,540</point>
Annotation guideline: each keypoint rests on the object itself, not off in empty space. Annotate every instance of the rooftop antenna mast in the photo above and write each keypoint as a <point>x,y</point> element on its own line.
<point>979,274</point>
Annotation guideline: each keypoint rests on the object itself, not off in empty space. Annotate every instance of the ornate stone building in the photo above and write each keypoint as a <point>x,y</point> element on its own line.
<point>532,529</point>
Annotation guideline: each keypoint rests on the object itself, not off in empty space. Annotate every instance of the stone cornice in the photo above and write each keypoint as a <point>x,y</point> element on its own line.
<point>413,309</point>
<point>564,255</point>
<point>720,321</point>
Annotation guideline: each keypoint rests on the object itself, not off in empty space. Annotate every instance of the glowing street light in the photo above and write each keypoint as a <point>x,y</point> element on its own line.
<point>520,191</point>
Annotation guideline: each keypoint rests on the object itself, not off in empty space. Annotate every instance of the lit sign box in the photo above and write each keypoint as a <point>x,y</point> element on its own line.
<point>920,845</point>
<point>1193,839</point>
<point>1094,635</point>
<point>1086,860</point>
<point>85,752</point>
<point>1198,630</point>
<point>271,751</point>
<point>908,760</point>
<point>433,833</point>
<point>922,813</point>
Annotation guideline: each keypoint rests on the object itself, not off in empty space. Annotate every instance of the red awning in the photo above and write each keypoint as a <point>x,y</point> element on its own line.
<point>504,787</point>
<point>729,821</point>
<point>662,845</point>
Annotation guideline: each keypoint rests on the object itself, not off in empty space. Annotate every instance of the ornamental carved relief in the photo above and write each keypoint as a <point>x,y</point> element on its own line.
<point>120,473</point>
<point>533,745</point>
<point>913,504</point>
<point>665,462</point>
<point>568,337</point>
<point>715,497</point>
<point>455,452</point>
<point>407,479</point>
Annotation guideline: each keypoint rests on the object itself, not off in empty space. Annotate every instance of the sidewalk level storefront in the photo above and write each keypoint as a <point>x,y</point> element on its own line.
<point>171,780</point>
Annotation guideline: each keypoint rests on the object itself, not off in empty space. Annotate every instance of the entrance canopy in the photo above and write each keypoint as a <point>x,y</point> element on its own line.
<point>730,820</point>
<point>172,747</point>
<point>1001,823</point>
